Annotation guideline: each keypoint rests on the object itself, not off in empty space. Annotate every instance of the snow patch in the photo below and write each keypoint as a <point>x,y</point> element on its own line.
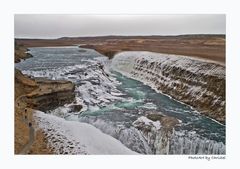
<point>148,122</point>
<point>70,137</point>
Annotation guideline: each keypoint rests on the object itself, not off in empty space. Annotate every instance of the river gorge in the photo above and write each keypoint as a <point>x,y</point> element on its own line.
<point>135,103</point>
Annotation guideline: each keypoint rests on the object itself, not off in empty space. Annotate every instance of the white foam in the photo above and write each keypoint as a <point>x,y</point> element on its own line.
<point>103,91</point>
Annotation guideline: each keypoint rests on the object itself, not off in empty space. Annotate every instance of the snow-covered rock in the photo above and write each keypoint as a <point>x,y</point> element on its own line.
<point>195,82</point>
<point>71,137</point>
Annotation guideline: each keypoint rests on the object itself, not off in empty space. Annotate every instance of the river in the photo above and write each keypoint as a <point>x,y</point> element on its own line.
<point>112,102</point>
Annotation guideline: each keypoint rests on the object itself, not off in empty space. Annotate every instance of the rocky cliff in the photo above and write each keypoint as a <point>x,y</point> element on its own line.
<point>23,84</point>
<point>157,130</point>
<point>41,94</point>
<point>50,95</point>
<point>196,82</point>
<point>21,53</point>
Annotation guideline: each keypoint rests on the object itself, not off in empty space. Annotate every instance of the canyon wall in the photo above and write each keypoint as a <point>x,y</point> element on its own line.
<point>42,94</point>
<point>193,81</point>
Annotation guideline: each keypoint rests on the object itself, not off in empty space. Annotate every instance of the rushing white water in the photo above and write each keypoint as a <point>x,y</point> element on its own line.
<point>190,143</point>
<point>113,104</point>
<point>164,141</point>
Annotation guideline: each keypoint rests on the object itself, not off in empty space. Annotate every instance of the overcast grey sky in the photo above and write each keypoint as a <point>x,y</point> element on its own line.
<point>55,26</point>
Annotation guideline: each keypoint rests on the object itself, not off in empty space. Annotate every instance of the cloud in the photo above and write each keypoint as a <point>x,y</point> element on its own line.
<point>54,26</point>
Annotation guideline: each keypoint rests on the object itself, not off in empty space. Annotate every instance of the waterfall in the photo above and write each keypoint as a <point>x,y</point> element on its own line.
<point>181,77</point>
<point>175,142</point>
<point>105,104</point>
<point>189,143</point>
<point>165,140</point>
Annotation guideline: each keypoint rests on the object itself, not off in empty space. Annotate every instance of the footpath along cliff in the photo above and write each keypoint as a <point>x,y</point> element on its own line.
<point>36,94</point>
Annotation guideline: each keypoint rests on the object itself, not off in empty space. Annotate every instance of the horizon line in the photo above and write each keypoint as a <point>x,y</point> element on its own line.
<point>114,35</point>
